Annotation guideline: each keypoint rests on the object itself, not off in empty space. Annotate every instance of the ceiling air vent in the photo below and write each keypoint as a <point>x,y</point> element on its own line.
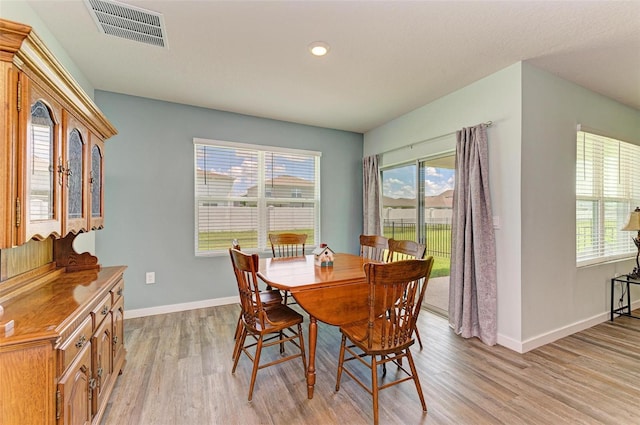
<point>132,23</point>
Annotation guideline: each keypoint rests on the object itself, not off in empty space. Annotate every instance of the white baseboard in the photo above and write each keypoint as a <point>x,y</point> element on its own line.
<point>507,342</point>
<point>174,308</point>
<point>548,337</point>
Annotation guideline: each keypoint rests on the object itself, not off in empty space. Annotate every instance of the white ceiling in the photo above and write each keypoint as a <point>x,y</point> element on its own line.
<point>387,57</point>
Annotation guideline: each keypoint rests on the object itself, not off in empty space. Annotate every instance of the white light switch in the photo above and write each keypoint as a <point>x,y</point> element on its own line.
<point>496,221</point>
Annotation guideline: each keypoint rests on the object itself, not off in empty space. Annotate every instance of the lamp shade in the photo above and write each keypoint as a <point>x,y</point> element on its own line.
<point>634,220</point>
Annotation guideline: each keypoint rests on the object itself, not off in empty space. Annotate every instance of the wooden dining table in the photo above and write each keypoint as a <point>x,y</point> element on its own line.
<point>335,295</point>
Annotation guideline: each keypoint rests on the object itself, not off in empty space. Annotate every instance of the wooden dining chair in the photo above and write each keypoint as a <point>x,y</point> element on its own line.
<point>268,327</point>
<point>268,297</point>
<point>287,245</point>
<point>373,247</point>
<point>406,250</point>
<point>396,291</point>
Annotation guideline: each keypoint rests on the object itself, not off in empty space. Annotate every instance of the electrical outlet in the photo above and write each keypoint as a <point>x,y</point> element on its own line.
<point>151,277</point>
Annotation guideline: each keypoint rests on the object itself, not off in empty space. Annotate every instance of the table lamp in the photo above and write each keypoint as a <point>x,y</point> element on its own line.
<point>634,224</point>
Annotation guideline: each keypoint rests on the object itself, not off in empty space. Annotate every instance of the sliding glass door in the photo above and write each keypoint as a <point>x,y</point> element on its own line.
<point>417,201</point>
<point>399,195</point>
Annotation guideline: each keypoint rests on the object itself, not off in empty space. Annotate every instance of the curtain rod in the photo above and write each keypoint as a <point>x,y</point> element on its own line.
<point>411,145</point>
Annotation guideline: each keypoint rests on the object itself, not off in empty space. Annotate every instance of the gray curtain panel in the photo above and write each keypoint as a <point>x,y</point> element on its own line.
<point>473,288</point>
<point>371,196</point>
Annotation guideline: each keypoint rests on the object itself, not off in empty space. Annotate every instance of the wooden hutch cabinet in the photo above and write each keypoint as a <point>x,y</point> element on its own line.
<point>61,313</point>
<point>53,147</point>
<point>96,177</point>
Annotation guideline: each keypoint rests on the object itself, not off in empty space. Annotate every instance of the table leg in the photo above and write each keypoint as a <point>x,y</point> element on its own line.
<point>311,370</point>
<point>612,286</point>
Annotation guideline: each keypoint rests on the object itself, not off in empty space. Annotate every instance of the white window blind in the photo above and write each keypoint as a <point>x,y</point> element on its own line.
<point>607,190</point>
<point>245,192</point>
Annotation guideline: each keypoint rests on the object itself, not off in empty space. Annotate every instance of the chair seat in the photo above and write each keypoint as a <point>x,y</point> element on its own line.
<point>358,333</point>
<point>270,297</point>
<point>279,317</point>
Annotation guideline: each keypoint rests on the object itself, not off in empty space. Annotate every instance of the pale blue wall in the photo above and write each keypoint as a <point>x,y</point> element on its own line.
<point>149,198</point>
<point>541,292</point>
<point>494,98</point>
<point>555,293</point>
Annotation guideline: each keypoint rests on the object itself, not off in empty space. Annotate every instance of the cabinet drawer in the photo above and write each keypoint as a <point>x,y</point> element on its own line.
<point>117,291</point>
<point>101,311</point>
<point>70,348</point>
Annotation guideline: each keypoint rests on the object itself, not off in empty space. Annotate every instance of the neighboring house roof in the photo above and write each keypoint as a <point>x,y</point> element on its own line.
<point>443,200</point>
<point>285,180</point>
<point>217,176</point>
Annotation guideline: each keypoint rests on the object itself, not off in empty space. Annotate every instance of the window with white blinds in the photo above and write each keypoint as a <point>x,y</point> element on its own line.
<point>245,192</point>
<point>607,190</point>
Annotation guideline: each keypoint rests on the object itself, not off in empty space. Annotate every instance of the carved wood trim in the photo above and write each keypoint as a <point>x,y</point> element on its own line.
<point>12,34</point>
<point>64,255</point>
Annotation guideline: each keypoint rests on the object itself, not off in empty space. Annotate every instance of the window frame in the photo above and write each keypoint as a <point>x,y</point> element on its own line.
<point>604,252</point>
<point>263,196</point>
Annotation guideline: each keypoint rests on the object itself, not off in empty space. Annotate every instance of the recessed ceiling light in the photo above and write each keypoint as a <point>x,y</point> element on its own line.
<point>319,48</point>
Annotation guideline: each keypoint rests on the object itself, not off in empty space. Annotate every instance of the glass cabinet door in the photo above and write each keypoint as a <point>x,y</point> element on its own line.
<point>75,202</point>
<point>42,160</point>
<point>40,183</point>
<point>96,181</point>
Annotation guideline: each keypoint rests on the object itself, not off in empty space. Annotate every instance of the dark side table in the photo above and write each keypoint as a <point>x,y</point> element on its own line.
<point>624,282</point>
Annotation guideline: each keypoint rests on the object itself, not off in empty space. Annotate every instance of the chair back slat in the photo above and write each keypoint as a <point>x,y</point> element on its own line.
<point>373,247</point>
<point>245,267</point>
<point>405,250</point>
<point>287,244</point>
<point>396,291</point>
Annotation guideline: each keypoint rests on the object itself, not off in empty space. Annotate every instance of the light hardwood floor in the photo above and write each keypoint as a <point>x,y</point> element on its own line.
<point>178,371</point>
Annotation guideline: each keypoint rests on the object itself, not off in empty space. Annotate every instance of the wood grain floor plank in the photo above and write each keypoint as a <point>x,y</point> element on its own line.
<point>178,372</point>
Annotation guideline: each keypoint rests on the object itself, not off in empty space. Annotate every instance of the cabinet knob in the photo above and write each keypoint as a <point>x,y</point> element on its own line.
<point>105,310</point>
<point>61,171</point>
<point>81,341</point>
<point>115,339</point>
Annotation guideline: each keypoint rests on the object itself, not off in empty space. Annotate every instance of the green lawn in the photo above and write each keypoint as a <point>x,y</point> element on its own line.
<point>441,267</point>
<point>247,240</point>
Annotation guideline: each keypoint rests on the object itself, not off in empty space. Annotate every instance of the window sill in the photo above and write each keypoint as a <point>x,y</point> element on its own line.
<point>605,262</point>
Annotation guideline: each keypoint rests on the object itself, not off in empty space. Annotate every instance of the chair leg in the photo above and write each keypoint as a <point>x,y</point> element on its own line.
<point>256,363</point>
<point>374,388</point>
<point>304,357</point>
<point>238,327</point>
<point>236,335</point>
<point>340,361</point>
<point>416,380</point>
<point>418,338</point>
<point>281,343</point>
<point>238,348</point>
